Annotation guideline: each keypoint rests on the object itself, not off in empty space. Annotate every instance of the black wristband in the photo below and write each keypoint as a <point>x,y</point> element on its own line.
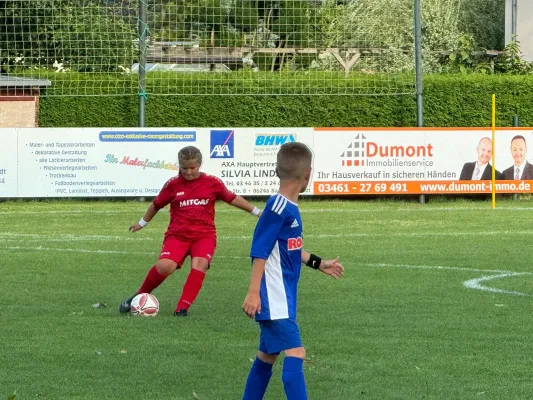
<point>314,261</point>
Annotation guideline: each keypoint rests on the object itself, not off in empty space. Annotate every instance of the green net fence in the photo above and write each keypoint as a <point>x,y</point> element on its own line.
<point>205,47</point>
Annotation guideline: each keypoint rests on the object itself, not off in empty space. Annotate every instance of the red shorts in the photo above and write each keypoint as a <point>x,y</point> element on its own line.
<point>178,250</point>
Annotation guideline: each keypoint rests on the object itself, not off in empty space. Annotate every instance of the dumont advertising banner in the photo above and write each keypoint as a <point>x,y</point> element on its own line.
<point>421,161</point>
<point>118,162</point>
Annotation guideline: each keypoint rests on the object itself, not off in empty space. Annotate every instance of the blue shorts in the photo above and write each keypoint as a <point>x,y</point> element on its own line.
<point>279,335</point>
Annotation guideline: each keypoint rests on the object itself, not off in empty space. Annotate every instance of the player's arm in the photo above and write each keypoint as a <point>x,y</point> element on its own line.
<point>163,198</point>
<point>252,302</point>
<point>224,194</point>
<point>265,237</point>
<point>148,215</point>
<point>332,267</point>
<point>243,204</point>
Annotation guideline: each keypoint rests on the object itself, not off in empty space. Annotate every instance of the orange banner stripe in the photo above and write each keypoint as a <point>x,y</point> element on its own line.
<point>418,187</point>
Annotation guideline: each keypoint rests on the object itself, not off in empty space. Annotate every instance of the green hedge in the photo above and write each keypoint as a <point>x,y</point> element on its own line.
<point>449,100</point>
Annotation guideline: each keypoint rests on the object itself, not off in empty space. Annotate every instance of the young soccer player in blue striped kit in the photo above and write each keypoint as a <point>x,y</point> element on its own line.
<point>277,254</point>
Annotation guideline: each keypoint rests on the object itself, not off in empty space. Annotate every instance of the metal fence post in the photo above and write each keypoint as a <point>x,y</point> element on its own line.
<point>143,33</point>
<point>418,71</point>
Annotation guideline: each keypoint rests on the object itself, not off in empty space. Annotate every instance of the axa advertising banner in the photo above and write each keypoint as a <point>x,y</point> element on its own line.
<point>245,158</point>
<point>92,162</point>
<point>89,162</point>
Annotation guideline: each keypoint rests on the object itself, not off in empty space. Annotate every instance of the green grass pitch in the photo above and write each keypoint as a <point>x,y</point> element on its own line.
<point>435,304</point>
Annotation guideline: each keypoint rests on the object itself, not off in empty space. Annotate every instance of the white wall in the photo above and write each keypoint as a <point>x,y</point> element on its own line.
<point>18,114</point>
<point>524,25</point>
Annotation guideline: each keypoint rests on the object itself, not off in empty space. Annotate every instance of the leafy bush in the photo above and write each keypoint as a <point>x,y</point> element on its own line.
<point>449,100</point>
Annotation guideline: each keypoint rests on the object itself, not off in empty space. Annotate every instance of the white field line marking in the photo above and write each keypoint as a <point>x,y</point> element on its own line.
<point>140,237</point>
<point>67,250</point>
<point>476,284</point>
<point>470,284</point>
<point>303,211</point>
<point>409,209</point>
<point>71,212</point>
<point>74,238</point>
<point>496,271</point>
<point>502,273</point>
<point>87,251</point>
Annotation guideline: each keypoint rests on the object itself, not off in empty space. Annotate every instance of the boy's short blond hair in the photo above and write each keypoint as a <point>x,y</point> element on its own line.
<point>293,160</point>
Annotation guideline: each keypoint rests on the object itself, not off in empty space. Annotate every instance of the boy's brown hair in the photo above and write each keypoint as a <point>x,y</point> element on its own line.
<point>293,160</point>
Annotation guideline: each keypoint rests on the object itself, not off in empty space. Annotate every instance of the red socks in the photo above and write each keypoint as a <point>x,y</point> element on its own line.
<point>191,289</point>
<point>153,279</point>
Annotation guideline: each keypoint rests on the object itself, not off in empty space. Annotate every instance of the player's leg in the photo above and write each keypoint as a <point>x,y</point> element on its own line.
<point>261,371</point>
<point>155,277</point>
<point>201,252</point>
<point>293,374</point>
<point>163,268</point>
<point>284,335</point>
<point>172,255</point>
<point>259,376</point>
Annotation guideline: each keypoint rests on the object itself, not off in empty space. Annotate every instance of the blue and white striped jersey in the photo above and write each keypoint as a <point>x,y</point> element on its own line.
<point>278,240</point>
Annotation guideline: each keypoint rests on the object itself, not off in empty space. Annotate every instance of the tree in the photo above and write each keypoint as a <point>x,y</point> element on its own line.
<point>167,21</point>
<point>485,21</point>
<point>293,23</point>
<point>25,33</point>
<point>244,15</point>
<point>384,29</point>
<point>94,39</point>
<point>83,35</point>
<point>205,19</point>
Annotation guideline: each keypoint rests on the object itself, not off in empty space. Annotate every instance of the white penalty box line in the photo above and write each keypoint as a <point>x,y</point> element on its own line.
<point>476,283</point>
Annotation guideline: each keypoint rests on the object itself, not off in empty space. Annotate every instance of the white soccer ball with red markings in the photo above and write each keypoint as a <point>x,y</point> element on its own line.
<point>144,305</point>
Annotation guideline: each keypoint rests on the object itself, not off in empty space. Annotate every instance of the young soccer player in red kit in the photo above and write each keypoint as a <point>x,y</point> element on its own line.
<point>191,231</point>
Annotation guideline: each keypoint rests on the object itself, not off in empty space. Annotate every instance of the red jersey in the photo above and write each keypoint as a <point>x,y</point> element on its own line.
<point>192,205</point>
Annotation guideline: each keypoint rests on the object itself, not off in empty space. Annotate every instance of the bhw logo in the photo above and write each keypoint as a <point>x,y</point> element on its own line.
<point>273,140</point>
<point>222,144</point>
<point>295,243</point>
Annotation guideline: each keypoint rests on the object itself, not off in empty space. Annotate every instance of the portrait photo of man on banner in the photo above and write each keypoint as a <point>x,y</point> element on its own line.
<point>522,169</point>
<point>481,168</point>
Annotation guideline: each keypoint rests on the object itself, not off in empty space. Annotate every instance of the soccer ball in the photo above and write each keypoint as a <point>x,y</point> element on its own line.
<point>144,305</point>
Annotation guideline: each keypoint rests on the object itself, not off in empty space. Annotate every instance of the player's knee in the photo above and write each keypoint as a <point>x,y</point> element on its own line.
<point>268,358</point>
<point>165,266</point>
<point>200,264</point>
<point>298,352</point>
